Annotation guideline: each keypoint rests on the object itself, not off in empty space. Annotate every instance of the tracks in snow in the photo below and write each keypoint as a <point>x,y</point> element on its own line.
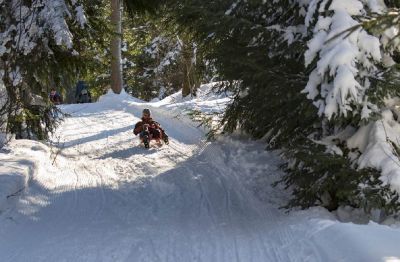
<point>107,199</point>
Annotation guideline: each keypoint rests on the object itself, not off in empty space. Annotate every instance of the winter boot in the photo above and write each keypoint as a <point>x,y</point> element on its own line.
<point>165,138</point>
<point>146,142</point>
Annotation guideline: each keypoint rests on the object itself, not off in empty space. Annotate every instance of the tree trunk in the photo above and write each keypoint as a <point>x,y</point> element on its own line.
<point>190,79</point>
<point>186,82</point>
<point>116,66</point>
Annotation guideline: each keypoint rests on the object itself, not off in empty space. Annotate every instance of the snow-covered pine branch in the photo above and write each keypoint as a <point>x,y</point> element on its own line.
<point>36,46</point>
<point>27,26</point>
<point>343,62</point>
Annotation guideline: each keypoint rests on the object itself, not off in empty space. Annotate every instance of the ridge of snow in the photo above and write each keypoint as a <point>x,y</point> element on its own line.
<point>17,166</point>
<point>206,101</point>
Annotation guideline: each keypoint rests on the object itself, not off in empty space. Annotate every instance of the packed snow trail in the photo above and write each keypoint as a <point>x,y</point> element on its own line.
<point>105,198</point>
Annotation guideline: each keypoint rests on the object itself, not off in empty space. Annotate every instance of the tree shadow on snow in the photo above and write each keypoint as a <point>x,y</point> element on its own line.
<point>199,199</point>
<point>128,152</point>
<point>99,136</point>
<point>190,191</point>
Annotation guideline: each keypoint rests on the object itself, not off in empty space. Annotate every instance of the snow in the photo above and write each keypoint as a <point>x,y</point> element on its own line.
<point>352,7</point>
<point>206,102</point>
<point>345,62</point>
<point>99,196</point>
<point>80,16</point>
<point>377,6</point>
<point>314,46</point>
<point>338,84</point>
<point>290,33</point>
<point>370,45</point>
<point>15,76</point>
<point>35,24</point>
<point>17,166</point>
<point>373,141</point>
<point>3,101</point>
<point>158,49</point>
<point>233,6</point>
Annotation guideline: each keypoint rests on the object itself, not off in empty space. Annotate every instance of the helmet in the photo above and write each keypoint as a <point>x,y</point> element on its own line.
<point>146,111</point>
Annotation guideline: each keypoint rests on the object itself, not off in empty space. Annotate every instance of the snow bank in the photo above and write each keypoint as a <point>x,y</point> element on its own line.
<point>207,104</point>
<point>13,179</point>
<point>18,164</point>
<point>111,98</point>
<point>206,101</point>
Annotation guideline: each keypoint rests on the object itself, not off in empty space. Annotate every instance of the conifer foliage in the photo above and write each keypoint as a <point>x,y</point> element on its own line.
<point>311,81</point>
<point>40,45</point>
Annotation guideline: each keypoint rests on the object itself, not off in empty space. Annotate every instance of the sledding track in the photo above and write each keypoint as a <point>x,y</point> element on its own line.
<point>108,199</point>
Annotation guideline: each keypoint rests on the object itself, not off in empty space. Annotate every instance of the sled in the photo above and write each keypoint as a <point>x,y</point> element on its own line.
<point>148,137</point>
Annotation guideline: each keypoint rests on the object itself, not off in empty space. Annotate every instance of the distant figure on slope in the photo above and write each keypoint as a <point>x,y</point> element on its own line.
<point>82,93</point>
<point>149,129</point>
<point>54,97</point>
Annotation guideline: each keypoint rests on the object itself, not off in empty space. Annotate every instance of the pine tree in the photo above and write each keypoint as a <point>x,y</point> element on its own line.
<point>40,49</point>
<point>160,57</point>
<point>258,48</point>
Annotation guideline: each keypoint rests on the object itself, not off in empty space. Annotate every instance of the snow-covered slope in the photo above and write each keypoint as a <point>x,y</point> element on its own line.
<point>100,196</point>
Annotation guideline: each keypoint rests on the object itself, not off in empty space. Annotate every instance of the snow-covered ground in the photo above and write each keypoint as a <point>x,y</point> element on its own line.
<point>100,196</point>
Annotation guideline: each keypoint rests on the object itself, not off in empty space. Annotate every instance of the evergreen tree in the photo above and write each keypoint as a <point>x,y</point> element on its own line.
<point>40,47</point>
<point>161,58</point>
<point>259,48</point>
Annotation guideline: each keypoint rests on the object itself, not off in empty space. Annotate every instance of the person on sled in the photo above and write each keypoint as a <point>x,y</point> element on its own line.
<point>55,97</point>
<point>149,129</point>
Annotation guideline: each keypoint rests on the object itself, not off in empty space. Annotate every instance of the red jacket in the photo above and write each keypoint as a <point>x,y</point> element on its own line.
<point>140,125</point>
